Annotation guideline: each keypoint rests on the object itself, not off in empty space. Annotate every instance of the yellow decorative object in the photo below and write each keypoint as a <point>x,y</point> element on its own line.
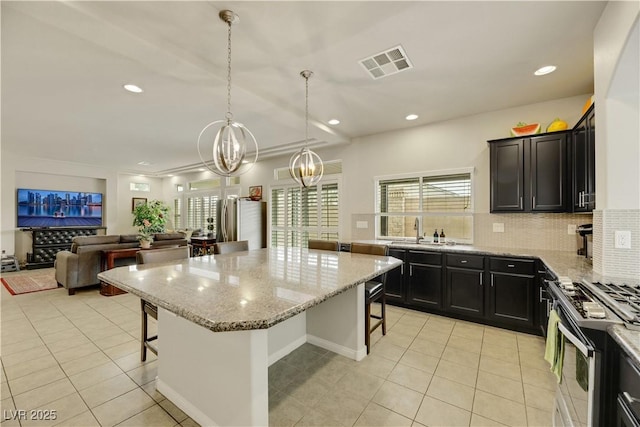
<point>557,125</point>
<point>587,104</point>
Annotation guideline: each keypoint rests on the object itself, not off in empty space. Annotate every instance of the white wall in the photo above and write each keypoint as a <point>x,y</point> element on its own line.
<point>616,63</point>
<point>124,224</point>
<point>452,144</point>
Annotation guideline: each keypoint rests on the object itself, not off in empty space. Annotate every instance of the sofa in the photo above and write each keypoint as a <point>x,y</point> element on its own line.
<point>80,266</point>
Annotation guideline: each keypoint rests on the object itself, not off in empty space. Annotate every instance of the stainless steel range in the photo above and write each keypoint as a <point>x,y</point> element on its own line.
<point>586,309</point>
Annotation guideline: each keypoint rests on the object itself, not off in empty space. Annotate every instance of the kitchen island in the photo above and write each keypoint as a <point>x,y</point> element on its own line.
<point>223,320</point>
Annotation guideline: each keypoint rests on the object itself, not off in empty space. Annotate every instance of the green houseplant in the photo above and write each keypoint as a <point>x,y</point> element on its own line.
<point>150,218</point>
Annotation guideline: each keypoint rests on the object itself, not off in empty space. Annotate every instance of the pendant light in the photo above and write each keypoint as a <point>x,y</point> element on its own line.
<point>231,138</point>
<point>306,166</point>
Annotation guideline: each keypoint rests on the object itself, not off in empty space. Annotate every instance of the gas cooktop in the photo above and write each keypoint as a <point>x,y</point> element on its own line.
<point>622,298</point>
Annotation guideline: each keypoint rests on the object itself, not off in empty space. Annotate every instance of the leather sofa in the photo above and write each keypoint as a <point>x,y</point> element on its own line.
<point>80,266</point>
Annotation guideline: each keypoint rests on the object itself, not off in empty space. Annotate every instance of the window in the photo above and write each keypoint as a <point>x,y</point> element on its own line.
<point>441,201</point>
<point>298,215</point>
<point>140,186</point>
<point>177,213</point>
<point>201,212</point>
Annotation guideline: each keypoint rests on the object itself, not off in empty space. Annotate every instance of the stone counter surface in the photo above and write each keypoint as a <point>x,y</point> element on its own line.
<point>248,290</point>
<point>629,341</point>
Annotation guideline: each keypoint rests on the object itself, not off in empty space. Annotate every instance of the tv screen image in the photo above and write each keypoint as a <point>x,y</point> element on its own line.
<point>53,208</point>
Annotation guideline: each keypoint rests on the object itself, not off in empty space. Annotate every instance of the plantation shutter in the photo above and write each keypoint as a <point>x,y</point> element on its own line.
<point>278,217</point>
<point>177,213</point>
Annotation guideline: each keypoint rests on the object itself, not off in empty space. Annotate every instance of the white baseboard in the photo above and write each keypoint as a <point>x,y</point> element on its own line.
<point>177,399</point>
<point>339,349</point>
<point>273,358</point>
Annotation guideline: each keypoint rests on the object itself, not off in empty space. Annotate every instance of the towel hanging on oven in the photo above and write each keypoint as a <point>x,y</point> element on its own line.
<point>554,350</point>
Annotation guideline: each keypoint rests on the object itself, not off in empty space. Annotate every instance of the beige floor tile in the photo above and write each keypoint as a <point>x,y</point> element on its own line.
<point>499,409</point>
<point>500,386</point>
<point>480,421</point>
<point>57,346</point>
<point>359,384</point>
<point>150,389</point>
<point>114,340</point>
<point>345,408</point>
<point>376,365</point>
<point>125,349</point>
<point>281,374</point>
<point>284,410</point>
<point>413,378</point>
<point>65,408</point>
<point>103,391</point>
<point>434,335</point>
<point>25,355</point>
<point>538,417</point>
<point>419,361</point>
<point>40,396</point>
<point>473,345</point>
<point>175,412</point>
<point>399,338</point>
<point>458,373</point>
<point>85,419</point>
<point>501,353</point>
<point>5,391</point>
<point>546,380</point>
<point>144,373</point>
<point>399,399</point>
<point>132,361</point>
<point>92,376</point>
<point>307,391</point>
<point>508,342</point>
<point>434,412</point>
<point>500,367</point>
<point>36,379</point>
<point>75,353</point>
<point>122,407</point>
<point>533,360</point>
<point>313,417</point>
<point>424,346</point>
<point>153,416</point>
<point>9,349</point>
<point>76,366</point>
<point>539,398</point>
<point>376,415</point>
<point>388,350</point>
<point>461,357</point>
<point>451,392</point>
<point>468,330</point>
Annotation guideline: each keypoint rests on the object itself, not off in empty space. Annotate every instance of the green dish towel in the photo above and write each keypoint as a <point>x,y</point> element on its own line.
<point>554,351</point>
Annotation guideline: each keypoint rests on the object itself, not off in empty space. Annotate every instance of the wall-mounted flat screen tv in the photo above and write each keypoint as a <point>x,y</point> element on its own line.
<point>53,208</point>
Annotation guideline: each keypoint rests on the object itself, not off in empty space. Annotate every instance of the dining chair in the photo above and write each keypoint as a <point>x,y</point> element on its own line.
<point>326,245</point>
<point>374,291</point>
<point>229,247</point>
<point>154,256</point>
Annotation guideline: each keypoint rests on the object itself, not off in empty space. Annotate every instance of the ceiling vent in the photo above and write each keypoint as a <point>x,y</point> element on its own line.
<point>385,63</point>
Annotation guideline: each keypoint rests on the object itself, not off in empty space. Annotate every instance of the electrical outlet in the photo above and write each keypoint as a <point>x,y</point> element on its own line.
<point>498,227</point>
<point>362,224</point>
<point>571,229</point>
<point>623,240</point>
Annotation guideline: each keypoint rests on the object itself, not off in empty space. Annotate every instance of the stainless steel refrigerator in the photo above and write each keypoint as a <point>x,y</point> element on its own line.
<point>240,219</point>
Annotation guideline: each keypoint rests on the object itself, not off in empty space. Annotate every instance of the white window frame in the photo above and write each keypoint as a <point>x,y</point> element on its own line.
<point>319,229</point>
<point>420,213</point>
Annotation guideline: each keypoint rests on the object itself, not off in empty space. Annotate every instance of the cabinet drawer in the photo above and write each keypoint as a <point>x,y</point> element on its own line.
<point>466,261</point>
<point>419,257</point>
<point>513,265</point>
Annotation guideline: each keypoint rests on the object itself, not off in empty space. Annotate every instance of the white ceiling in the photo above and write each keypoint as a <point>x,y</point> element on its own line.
<point>64,64</point>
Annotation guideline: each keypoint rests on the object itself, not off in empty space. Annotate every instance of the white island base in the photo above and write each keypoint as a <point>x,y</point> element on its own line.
<point>221,378</point>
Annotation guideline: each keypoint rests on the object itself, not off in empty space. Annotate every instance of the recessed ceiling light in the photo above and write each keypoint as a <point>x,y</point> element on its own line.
<point>334,122</point>
<point>545,70</point>
<point>201,169</point>
<point>132,88</point>
<point>411,117</point>
<point>144,163</point>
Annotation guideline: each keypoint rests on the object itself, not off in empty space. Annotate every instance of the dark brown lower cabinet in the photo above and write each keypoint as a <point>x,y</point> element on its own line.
<point>511,298</point>
<point>394,286</point>
<point>465,291</point>
<point>425,285</point>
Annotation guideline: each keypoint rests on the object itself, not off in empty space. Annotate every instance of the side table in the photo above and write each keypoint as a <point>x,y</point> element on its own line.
<point>109,258</point>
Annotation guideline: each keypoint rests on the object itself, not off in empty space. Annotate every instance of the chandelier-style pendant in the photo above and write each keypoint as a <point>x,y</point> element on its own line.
<point>305,166</point>
<point>230,141</point>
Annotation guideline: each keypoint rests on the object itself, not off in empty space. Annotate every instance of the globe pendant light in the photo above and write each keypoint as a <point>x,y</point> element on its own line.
<point>230,141</point>
<point>306,166</point>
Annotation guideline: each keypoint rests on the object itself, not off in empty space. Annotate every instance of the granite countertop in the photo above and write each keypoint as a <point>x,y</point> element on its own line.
<point>248,290</point>
<point>629,341</point>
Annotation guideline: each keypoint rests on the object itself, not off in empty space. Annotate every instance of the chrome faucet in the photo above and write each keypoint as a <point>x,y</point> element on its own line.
<point>416,226</point>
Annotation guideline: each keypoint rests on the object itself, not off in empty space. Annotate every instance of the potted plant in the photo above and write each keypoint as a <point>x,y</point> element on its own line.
<point>150,218</point>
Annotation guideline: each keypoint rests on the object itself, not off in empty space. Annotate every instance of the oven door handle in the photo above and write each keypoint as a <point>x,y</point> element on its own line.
<point>587,350</point>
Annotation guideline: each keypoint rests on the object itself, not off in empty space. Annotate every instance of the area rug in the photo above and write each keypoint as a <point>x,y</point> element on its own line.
<point>23,284</point>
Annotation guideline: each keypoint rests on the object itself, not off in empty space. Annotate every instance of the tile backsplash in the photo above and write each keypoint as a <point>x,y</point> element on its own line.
<point>607,259</point>
<point>529,231</point>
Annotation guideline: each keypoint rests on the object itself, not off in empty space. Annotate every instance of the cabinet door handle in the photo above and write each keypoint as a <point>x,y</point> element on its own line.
<point>540,292</point>
<point>582,199</point>
<point>492,280</point>
<point>510,265</point>
<point>533,203</point>
<point>520,202</point>
<point>410,270</point>
<point>402,269</point>
<point>548,308</point>
<point>464,261</point>
<point>480,279</point>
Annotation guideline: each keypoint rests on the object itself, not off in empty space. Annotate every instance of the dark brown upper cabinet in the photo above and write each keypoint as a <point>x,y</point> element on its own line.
<point>583,164</point>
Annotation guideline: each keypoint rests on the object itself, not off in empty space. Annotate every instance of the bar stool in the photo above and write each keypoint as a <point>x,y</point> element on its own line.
<point>147,308</point>
<point>325,245</point>
<point>374,291</point>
